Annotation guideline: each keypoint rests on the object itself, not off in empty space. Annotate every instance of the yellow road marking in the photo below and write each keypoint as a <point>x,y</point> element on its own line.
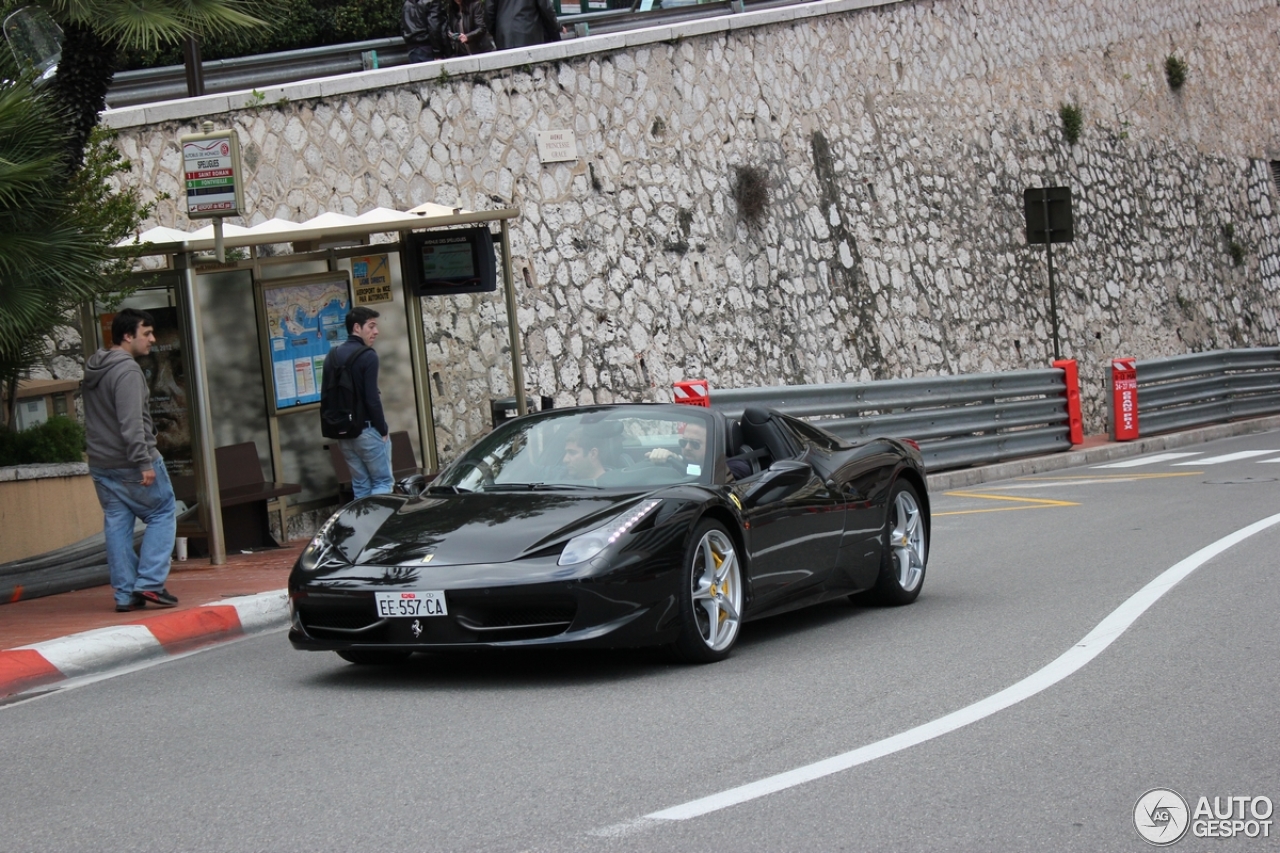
<point>1027,503</point>
<point>1041,503</point>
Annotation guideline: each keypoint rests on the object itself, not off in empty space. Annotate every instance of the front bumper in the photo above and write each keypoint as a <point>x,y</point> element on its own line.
<point>622,609</point>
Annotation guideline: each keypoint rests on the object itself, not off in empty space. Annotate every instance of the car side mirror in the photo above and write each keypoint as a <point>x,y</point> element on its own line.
<point>782,478</point>
<point>413,485</point>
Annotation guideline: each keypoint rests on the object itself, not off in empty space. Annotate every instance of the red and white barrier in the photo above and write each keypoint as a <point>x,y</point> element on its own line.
<point>692,392</point>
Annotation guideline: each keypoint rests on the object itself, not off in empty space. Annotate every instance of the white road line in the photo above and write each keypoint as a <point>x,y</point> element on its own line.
<point>1148,460</point>
<point>1069,662</point>
<point>1229,457</point>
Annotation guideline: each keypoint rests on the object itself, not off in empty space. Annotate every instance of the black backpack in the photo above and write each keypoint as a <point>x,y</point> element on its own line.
<point>341,409</point>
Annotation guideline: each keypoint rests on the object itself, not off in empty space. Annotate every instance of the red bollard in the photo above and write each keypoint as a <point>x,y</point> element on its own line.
<point>692,392</point>
<point>1071,381</point>
<point>1124,399</point>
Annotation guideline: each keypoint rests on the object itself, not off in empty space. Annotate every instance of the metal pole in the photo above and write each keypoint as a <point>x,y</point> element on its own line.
<point>1053,291</point>
<point>517,356</point>
<point>194,67</point>
<point>421,377</point>
<point>207,493</point>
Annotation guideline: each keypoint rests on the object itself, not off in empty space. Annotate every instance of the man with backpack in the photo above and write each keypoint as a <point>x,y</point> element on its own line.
<point>351,407</point>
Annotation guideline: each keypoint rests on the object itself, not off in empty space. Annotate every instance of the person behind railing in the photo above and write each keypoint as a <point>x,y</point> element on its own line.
<point>465,30</point>
<point>422,25</point>
<point>521,23</point>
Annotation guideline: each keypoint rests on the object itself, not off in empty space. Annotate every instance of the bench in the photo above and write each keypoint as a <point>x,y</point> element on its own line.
<point>243,494</point>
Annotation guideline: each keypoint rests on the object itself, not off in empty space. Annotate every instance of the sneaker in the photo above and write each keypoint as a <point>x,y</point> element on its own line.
<point>137,602</point>
<point>158,597</point>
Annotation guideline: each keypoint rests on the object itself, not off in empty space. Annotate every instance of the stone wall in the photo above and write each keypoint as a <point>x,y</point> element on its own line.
<point>894,143</point>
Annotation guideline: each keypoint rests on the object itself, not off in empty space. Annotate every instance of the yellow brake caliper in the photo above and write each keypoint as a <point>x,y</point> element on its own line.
<point>723,589</point>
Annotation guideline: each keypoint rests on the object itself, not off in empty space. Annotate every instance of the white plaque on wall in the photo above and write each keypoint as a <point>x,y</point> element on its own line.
<point>557,146</point>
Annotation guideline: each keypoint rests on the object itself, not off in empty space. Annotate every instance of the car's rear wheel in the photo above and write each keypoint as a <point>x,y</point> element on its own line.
<point>906,548</point>
<point>710,596</point>
<point>374,657</point>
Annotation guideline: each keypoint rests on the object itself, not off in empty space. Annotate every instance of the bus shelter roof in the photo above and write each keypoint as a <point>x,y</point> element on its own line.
<point>328,227</point>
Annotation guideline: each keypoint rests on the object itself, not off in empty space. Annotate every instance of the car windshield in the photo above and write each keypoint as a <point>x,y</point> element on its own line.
<point>587,448</point>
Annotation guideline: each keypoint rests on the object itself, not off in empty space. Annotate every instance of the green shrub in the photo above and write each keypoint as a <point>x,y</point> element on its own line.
<point>1072,122</point>
<point>59,439</point>
<point>1175,71</point>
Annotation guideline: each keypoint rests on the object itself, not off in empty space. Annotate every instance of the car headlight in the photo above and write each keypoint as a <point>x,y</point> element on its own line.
<point>587,545</point>
<point>319,551</point>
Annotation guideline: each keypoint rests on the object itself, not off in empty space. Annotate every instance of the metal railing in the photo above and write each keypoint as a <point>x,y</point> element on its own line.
<point>957,420</point>
<point>148,85</point>
<point>1206,388</point>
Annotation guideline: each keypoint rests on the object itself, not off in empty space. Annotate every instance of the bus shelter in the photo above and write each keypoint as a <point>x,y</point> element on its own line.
<point>240,342</point>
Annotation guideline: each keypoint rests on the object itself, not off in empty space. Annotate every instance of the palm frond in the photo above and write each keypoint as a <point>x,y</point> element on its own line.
<point>146,24</point>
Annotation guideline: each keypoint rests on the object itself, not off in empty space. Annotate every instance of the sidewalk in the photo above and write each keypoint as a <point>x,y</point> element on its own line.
<point>54,637</point>
<point>45,640</point>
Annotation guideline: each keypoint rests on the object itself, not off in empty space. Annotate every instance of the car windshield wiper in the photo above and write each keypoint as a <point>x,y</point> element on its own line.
<point>536,487</point>
<point>447,490</point>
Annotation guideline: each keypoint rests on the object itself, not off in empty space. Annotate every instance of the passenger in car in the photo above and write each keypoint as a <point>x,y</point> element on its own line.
<point>582,455</point>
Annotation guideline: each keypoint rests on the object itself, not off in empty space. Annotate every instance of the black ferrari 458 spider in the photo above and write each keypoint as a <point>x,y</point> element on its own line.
<point>612,526</point>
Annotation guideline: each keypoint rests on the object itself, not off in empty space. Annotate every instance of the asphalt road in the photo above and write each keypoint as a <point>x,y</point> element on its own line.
<point>253,746</point>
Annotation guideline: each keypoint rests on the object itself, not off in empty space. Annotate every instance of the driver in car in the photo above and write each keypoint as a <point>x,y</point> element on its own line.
<point>693,453</point>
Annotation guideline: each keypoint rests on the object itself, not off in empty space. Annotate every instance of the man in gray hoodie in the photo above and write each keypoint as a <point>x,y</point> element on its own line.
<point>127,471</point>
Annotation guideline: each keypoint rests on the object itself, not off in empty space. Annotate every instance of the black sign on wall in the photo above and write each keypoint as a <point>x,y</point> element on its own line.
<point>1048,212</point>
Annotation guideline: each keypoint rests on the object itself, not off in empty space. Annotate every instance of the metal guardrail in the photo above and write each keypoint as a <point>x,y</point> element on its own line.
<point>957,420</point>
<point>1205,388</point>
<point>149,85</point>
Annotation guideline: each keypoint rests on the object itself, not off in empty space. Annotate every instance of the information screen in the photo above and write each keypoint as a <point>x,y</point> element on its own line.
<point>448,260</point>
<point>441,263</point>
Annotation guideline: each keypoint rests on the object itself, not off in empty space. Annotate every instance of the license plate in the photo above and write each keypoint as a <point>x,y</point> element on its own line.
<point>429,603</point>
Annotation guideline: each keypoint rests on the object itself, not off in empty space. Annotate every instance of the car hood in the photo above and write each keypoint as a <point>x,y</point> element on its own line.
<point>465,529</point>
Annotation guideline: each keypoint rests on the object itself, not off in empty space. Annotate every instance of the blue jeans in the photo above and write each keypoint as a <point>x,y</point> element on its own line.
<point>369,458</point>
<point>124,499</point>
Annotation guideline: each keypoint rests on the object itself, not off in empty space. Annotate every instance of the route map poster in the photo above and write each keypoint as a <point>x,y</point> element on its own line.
<point>305,319</point>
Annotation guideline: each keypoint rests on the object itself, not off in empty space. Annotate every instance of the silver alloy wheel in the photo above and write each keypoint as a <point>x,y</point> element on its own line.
<point>717,590</point>
<point>907,541</point>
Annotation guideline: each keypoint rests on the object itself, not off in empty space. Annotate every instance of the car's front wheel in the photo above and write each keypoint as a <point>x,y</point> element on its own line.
<point>374,657</point>
<point>710,596</point>
<point>906,548</point>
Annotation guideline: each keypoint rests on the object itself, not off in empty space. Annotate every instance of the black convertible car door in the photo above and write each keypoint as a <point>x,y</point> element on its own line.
<point>794,528</point>
<point>863,480</point>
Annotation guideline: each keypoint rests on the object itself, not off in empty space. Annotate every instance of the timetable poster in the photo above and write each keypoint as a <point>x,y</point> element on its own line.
<point>305,319</point>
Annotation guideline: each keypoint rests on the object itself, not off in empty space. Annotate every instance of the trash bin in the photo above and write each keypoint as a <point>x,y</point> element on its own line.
<point>504,408</point>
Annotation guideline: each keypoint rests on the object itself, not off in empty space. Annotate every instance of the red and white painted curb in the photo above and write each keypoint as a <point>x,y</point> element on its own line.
<point>151,637</point>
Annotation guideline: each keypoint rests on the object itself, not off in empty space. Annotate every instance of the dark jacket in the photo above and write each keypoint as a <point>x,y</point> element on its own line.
<point>422,23</point>
<point>117,417</point>
<point>364,375</point>
<point>466,19</point>
<point>521,23</point>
